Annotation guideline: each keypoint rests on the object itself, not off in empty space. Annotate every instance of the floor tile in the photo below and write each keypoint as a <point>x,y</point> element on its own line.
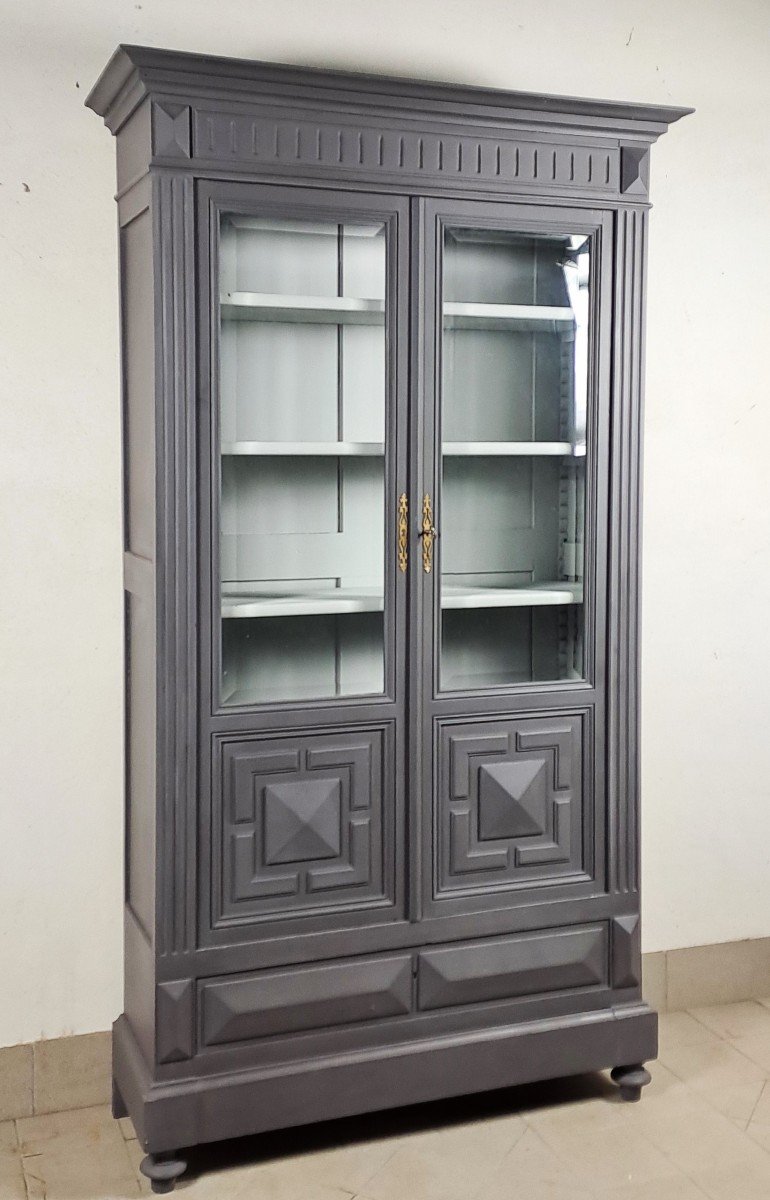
<point>662,1083</point>
<point>11,1174</point>
<point>711,1066</point>
<point>532,1170</point>
<point>247,1183</point>
<point>693,1135</point>
<point>446,1164</point>
<point>760,1134</point>
<point>755,1048</point>
<point>79,1155</point>
<point>682,1029</point>
<point>725,1078</point>
<point>607,1158</point>
<point>679,1187</point>
<point>15,1082</point>
<point>736,1181</point>
<point>734,1020</point>
<point>761,1113</point>
<point>587,1101</point>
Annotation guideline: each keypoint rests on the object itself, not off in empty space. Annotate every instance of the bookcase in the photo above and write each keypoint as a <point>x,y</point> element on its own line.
<point>382,385</point>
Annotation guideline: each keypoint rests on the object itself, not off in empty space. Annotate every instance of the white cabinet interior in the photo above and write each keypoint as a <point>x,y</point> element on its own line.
<point>513,428</point>
<point>302,434</point>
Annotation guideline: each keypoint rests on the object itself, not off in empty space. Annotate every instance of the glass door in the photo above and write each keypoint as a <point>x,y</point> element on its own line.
<point>513,449</point>
<point>305,452</point>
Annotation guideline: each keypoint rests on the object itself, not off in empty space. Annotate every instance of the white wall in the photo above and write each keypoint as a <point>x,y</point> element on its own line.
<point>707,566</point>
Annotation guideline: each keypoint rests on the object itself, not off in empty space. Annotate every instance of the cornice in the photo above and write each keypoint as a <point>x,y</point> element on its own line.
<point>135,72</point>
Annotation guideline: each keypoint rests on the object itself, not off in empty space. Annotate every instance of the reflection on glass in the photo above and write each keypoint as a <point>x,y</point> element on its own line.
<point>513,419</point>
<point>302,430</point>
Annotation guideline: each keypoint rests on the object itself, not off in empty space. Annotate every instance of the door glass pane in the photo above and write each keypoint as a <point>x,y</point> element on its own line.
<point>513,422</point>
<point>302,428</point>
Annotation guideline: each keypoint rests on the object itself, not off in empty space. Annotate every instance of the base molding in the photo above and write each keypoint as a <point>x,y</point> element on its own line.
<point>172,1115</point>
<point>74,1072</point>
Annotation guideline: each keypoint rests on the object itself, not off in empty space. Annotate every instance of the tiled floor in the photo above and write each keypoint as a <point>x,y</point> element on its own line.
<point>701,1130</point>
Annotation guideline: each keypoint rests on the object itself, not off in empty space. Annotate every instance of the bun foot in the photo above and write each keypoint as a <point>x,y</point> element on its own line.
<point>162,1170</point>
<point>631,1080</point>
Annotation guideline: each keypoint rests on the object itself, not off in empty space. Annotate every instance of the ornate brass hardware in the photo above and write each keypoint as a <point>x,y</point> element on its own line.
<point>428,534</point>
<point>403,532</point>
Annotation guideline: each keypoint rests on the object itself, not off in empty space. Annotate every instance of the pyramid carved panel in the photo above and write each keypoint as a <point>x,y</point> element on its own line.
<point>304,825</point>
<point>510,808</point>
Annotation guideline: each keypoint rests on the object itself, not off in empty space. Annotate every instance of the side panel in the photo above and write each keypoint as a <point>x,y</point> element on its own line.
<point>137,309</point>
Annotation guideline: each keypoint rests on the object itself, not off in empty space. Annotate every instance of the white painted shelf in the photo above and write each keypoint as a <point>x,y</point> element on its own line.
<point>531,594</point>
<point>377,449</point>
<point>252,603</point>
<point>511,449</point>
<point>324,310</point>
<point>350,310</point>
<point>531,317</point>
<point>306,449</point>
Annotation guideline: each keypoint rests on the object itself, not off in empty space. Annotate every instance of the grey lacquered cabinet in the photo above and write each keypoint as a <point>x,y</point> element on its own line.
<point>382,370</point>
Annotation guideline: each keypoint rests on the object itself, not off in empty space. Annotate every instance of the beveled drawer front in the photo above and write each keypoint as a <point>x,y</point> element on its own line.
<point>501,968</point>
<point>338,993</point>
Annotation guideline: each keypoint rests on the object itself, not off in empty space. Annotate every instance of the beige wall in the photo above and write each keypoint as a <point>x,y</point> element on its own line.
<point>707,567</point>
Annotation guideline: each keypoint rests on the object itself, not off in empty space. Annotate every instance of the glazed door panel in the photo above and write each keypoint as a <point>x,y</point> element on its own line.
<point>514,530</point>
<point>304,315</point>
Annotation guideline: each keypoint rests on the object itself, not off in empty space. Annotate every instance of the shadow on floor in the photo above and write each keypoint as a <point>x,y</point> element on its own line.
<point>392,1123</point>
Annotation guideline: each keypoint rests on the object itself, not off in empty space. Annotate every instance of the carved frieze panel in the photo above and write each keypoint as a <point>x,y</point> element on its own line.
<point>284,140</point>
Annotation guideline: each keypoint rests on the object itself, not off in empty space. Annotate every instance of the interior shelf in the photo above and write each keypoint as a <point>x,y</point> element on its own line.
<point>252,603</point>
<point>307,449</point>
<point>528,595</point>
<point>324,310</point>
<point>537,318</point>
<point>377,449</point>
<point>336,310</point>
<point>530,449</point>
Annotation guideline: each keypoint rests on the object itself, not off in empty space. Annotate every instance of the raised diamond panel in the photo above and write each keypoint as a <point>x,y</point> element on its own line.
<point>512,799</point>
<point>510,808</point>
<point>302,821</point>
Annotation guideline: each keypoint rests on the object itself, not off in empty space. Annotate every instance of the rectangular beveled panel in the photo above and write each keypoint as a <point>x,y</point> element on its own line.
<point>510,806</point>
<point>306,824</point>
<point>337,993</point>
<point>137,334</point>
<point>503,968</point>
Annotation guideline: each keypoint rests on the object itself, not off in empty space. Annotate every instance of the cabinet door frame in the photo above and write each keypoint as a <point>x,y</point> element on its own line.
<point>221,727</point>
<point>215,198</point>
<point>432,707</point>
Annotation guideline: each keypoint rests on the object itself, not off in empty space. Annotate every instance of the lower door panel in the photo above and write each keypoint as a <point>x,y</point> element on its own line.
<point>513,808</point>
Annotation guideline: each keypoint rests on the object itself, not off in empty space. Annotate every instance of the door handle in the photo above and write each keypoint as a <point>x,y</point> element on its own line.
<point>403,532</point>
<point>428,533</point>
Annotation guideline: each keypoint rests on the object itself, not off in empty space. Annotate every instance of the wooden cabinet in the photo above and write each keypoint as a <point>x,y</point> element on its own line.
<point>382,372</point>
